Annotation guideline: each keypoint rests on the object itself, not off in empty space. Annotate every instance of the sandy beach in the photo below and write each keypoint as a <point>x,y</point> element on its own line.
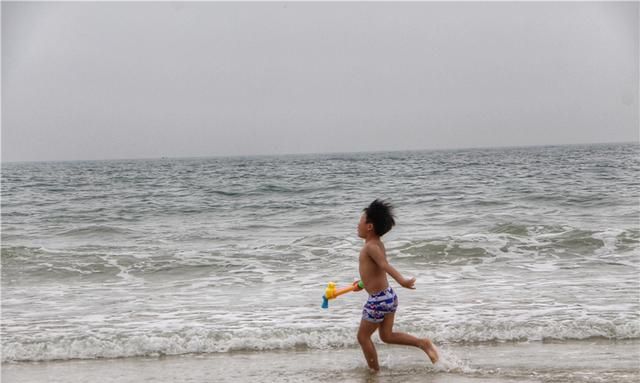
<point>577,361</point>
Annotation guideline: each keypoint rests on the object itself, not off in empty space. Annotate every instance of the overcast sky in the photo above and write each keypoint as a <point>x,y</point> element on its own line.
<point>145,80</point>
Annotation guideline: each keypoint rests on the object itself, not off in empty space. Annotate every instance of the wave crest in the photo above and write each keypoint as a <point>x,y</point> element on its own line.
<point>198,340</point>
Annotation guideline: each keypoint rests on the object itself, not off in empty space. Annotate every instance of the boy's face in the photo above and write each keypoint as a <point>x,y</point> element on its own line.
<point>363,227</point>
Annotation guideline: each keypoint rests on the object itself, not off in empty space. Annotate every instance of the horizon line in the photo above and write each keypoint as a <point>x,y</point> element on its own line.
<point>319,153</point>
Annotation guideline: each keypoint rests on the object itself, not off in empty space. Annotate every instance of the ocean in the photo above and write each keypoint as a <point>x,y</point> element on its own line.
<point>213,269</point>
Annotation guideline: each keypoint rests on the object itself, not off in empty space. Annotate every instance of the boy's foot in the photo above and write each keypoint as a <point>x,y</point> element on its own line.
<point>430,350</point>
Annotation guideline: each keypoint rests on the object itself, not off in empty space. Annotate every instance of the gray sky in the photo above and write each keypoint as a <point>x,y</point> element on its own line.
<point>144,80</point>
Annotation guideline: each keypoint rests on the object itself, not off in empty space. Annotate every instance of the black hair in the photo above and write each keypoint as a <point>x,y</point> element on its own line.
<point>380,214</point>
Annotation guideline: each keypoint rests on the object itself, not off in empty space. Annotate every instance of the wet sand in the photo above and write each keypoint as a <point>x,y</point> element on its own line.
<point>595,360</point>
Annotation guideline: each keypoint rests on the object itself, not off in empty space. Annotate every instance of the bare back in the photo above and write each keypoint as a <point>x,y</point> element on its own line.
<point>371,274</point>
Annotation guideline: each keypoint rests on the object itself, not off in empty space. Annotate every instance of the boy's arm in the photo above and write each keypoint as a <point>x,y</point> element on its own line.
<point>378,257</point>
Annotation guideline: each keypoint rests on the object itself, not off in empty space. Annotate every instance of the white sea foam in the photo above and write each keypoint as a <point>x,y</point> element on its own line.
<point>196,340</point>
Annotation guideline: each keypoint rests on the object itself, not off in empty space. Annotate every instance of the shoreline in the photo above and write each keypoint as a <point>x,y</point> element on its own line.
<point>615,361</point>
<point>303,348</point>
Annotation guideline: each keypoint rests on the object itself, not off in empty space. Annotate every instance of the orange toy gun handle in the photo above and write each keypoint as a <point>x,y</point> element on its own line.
<point>348,289</point>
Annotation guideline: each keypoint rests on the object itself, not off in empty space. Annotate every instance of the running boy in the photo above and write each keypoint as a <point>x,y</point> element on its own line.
<point>379,311</point>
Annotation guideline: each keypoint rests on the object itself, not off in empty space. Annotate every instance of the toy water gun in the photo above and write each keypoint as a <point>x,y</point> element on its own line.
<point>332,293</point>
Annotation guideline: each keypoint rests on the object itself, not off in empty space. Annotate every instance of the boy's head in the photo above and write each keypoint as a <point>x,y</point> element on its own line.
<point>378,216</point>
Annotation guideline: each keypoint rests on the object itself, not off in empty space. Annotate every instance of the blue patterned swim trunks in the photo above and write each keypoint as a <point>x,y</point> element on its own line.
<point>380,304</point>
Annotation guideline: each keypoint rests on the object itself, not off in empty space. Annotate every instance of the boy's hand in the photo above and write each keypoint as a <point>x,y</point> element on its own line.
<point>408,283</point>
<point>358,288</point>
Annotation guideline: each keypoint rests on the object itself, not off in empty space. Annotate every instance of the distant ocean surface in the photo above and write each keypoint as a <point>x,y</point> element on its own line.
<point>115,259</point>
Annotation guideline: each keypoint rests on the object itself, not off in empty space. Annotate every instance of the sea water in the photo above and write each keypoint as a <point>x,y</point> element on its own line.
<point>215,256</point>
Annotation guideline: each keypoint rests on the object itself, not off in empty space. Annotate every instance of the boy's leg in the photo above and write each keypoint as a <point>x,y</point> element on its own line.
<point>387,335</point>
<point>364,338</point>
